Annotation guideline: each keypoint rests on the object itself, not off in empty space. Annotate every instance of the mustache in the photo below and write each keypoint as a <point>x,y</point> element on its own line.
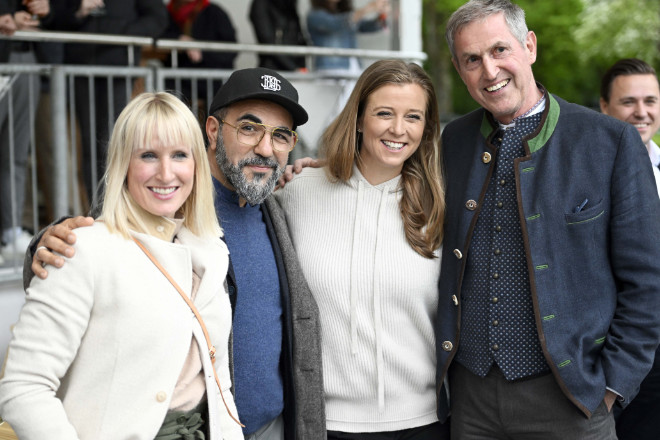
<point>259,161</point>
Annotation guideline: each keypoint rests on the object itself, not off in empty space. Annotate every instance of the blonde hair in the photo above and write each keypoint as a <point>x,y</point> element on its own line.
<point>422,205</point>
<point>163,116</point>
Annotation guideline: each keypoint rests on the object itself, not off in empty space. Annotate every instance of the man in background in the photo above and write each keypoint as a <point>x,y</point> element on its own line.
<point>16,125</point>
<point>629,91</point>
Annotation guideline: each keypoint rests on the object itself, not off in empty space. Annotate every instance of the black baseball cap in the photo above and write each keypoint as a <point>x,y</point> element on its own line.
<point>259,83</point>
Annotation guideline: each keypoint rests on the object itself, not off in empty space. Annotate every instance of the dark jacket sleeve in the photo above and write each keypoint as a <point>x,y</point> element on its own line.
<point>273,26</point>
<point>151,20</point>
<point>263,26</point>
<point>146,18</point>
<point>63,15</point>
<point>5,8</point>
<point>215,25</point>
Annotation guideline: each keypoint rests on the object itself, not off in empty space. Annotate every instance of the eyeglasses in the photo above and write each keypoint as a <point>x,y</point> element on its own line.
<point>251,133</point>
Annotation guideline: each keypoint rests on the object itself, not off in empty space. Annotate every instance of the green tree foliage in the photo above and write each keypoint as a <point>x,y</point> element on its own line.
<point>577,41</point>
<point>614,29</point>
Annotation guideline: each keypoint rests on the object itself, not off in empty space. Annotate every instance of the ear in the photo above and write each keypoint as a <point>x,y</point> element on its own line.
<point>530,45</point>
<point>457,67</point>
<point>455,63</point>
<point>603,106</point>
<point>212,127</point>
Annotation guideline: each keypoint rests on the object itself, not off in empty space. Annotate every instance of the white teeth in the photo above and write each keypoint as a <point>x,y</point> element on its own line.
<point>497,86</point>
<point>163,191</point>
<point>641,125</point>
<point>394,145</point>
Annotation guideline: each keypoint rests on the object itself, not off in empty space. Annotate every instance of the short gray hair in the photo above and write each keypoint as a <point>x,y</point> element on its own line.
<point>480,10</point>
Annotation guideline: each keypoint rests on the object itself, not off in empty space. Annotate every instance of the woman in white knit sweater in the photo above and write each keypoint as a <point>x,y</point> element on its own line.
<point>106,347</point>
<point>367,228</point>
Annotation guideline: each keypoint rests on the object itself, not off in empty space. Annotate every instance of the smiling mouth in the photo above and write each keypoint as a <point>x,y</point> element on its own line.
<point>394,146</point>
<point>163,191</point>
<point>641,125</point>
<point>498,86</point>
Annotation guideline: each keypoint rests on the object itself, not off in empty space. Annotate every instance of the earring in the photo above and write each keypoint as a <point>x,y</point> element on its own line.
<point>359,131</point>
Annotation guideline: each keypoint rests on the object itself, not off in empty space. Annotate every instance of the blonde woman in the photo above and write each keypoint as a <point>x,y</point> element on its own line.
<point>367,229</point>
<point>107,348</point>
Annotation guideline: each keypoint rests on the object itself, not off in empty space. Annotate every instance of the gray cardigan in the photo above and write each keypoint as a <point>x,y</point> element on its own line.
<point>304,330</point>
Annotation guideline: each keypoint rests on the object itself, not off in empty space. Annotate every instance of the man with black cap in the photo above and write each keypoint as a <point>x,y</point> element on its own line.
<point>276,341</point>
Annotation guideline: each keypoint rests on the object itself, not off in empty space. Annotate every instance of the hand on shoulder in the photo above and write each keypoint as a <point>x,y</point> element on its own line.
<point>57,241</point>
<point>296,168</point>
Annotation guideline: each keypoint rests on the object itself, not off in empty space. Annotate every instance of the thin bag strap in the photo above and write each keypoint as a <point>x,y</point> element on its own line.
<point>210,346</point>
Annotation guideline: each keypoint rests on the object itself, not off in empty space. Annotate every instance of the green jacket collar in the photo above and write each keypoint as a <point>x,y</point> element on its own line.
<point>548,124</point>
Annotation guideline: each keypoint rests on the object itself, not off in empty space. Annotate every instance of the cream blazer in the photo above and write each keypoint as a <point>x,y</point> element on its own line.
<point>100,344</point>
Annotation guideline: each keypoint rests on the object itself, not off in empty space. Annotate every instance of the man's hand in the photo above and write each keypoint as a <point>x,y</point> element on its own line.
<point>297,168</point>
<point>57,239</point>
<point>87,6</point>
<point>195,55</point>
<point>25,21</point>
<point>40,8</point>
<point>609,400</point>
<point>7,25</point>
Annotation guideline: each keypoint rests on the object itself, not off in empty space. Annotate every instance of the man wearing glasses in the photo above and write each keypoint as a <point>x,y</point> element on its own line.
<point>278,385</point>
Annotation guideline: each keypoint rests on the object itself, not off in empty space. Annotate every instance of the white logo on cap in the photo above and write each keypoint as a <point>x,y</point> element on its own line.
<point>270,83</point>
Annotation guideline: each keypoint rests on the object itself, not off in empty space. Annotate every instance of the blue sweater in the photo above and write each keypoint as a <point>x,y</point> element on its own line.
<point>258,314</point>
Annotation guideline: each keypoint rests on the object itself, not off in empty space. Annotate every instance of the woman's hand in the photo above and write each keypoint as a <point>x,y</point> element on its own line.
<point>380,8</point>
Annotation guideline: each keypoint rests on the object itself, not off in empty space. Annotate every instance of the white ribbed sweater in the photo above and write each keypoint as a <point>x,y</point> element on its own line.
<point>377,299</point>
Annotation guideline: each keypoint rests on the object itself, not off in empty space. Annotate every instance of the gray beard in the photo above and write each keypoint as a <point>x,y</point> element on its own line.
<point>255,191</point>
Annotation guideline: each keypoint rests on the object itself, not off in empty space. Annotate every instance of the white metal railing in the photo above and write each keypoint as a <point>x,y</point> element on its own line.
<point>176,45</point>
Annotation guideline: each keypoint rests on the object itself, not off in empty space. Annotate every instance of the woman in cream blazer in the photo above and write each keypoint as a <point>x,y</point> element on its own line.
<point>104,345</point>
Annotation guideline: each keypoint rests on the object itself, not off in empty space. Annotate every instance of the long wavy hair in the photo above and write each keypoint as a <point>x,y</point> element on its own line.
<point>422,204</point>
<point>163,116</point>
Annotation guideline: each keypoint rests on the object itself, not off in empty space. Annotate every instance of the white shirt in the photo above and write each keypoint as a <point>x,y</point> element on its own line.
<point>654,155</point>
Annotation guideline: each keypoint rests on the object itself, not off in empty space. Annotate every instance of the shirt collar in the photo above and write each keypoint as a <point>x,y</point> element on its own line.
<point>164,228</point>
<point>538,108</point>
<point>654,153</point>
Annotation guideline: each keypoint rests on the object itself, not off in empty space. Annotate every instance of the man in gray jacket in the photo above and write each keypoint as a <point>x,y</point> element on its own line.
<point>276,335</point>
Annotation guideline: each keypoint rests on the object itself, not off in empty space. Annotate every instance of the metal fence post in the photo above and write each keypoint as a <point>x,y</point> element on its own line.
<point>60,189</point>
